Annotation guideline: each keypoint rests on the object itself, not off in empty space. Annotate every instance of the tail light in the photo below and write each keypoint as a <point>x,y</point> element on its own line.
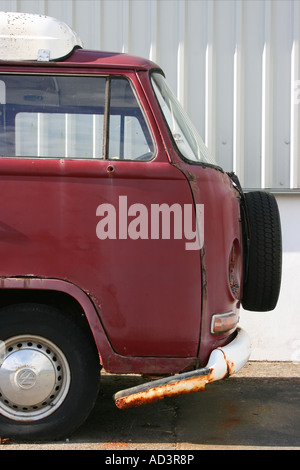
<point>224,322</point>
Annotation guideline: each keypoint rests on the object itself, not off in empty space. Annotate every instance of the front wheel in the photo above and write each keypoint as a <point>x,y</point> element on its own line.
<point>49,373</point>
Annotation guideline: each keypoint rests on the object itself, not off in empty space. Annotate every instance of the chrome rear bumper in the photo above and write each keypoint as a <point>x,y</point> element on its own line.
<point>223,362</point>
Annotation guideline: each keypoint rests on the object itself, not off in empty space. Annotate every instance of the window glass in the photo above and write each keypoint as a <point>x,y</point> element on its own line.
<point>185,136</point>
<point>65,117</point>
<point>59,135</point>
<point>129,135</point>
<point>52,116</point>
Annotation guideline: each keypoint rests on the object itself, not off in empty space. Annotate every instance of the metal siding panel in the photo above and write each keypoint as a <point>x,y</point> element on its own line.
<point>140,35</point>
<point>235,66</point>
<point>224,83</point>
<point>282,44</point>
<point>167,47</point>
<point>210,81</point>
<point>238,93</point>
<point>253,44</point>
<point>112,26</point>
<point>152,14</point>
<point>267,98</point>
<point>195,61</point>
<point>89,30</point>
<point>295,98</point>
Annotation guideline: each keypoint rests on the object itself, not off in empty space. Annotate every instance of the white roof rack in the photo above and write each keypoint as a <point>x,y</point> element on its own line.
<point>26,36</point>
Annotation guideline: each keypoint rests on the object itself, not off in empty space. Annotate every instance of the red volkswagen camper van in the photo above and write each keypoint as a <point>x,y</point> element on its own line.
<point>123,245</point>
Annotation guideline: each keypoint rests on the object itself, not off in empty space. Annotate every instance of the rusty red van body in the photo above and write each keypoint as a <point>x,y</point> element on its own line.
<point>87,279</point>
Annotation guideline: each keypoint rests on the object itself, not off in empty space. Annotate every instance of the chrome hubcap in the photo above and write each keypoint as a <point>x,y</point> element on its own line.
<point>34,378</point>
<point>26,378</point>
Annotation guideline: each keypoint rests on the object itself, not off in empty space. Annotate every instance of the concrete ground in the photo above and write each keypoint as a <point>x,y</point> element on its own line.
<point>258,408</point>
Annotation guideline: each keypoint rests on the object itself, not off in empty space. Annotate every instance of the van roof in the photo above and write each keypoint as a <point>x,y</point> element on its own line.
<point>108,59</point>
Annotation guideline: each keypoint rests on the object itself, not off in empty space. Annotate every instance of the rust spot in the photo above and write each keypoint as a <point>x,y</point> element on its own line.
<point>116,445</point>
<point>4,440</point>
<point>184,383</point>
<point>153,394</point>
<point>230,367</point>
<point>110,169</point>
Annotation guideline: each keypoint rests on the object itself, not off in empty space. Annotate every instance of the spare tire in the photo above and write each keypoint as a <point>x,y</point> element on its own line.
<point>263,253</point>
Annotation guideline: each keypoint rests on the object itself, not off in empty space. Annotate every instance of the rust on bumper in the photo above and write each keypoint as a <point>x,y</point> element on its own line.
<point>168,387</point>
<point>223,362</point>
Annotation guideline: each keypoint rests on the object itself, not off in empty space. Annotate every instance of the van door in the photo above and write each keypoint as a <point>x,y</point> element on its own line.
<point>88,196</point>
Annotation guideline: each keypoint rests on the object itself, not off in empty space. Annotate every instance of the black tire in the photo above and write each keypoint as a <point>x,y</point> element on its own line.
<point>56,378</point>
<point>263,259</point>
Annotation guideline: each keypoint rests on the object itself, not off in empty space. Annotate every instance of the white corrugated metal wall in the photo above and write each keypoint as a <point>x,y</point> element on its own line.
<point>235,66</point>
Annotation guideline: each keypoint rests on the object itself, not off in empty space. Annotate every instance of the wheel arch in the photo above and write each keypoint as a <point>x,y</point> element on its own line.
<point>63,295</point>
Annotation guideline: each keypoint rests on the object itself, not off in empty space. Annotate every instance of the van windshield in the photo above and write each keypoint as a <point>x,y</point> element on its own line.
<point>185,135</point>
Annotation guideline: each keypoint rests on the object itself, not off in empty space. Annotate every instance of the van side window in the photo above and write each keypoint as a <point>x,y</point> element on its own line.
<point>129,136</point>
<point>45,116</point>
<point>52,116</point>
